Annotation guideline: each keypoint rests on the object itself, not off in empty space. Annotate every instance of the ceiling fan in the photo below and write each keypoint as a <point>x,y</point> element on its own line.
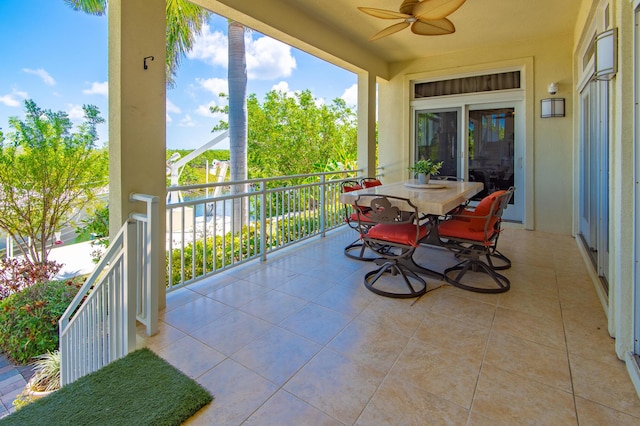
<point>426,17</point>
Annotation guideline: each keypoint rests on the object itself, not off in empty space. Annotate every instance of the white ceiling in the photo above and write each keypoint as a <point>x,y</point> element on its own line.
<point>478,23</point>
<point>337,31</point>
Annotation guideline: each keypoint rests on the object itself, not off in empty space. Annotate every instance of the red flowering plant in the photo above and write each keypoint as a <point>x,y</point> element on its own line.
<point>18,274</point>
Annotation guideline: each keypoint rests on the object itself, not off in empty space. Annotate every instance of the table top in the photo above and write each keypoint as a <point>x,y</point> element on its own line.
<point>438,197</point>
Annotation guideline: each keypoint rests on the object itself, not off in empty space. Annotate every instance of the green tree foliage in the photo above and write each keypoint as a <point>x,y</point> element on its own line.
<point>298,135</point>
<point>47,172</point>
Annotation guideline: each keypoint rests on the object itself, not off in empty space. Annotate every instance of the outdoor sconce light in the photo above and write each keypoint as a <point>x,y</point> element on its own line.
<point>552,107</point>
<point>606,54</point>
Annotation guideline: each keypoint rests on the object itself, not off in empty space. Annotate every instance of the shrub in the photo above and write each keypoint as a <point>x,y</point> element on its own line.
<point>223,251</point>
<point>18,274</point>
<point>29,319</point>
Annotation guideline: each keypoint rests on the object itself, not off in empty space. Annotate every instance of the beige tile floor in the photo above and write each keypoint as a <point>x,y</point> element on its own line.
<point>298,340</point>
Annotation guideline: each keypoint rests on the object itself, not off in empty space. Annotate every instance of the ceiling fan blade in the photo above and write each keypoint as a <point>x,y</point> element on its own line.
<point>433,27</point>
<point>436,9</point>
<point>408,5</point>
<point>390,30</point>
<point>384,14</point>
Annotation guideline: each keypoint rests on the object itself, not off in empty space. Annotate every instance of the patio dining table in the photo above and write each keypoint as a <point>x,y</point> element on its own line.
<point>434,199</point>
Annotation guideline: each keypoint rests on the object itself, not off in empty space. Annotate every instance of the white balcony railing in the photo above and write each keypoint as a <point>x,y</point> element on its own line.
<point>99,326</point>
<point>209,234</point>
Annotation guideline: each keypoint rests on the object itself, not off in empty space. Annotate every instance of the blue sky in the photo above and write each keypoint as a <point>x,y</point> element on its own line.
<point>58,58</point>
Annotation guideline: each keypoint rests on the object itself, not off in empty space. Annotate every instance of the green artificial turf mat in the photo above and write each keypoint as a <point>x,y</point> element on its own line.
<point>139,389</point>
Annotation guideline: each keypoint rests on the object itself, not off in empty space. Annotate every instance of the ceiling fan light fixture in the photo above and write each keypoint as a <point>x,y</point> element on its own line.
<point>426,17</point>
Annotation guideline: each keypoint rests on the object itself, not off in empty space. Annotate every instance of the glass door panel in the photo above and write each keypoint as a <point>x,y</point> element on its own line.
<point>437,139</point>
<point>594,176</point>
<point>491,149</point>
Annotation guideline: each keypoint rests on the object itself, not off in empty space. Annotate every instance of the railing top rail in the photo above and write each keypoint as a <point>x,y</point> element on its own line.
<point>219,198</point>
<point>250,181</point>
<point>145,198</point>
<point>93,278</point>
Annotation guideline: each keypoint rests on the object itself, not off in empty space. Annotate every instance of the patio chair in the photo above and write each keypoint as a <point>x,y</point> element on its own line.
<point>472,235</point>
<point>394,237</point>
<point>351,219</point>
<point>370,182</point>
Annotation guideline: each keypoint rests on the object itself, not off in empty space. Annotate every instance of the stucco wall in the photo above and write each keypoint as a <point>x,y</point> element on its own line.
<point>549,162</point>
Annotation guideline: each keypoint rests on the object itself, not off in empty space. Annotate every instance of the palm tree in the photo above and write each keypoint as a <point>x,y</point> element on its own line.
<point>184,23</point>
<point>237,114</point>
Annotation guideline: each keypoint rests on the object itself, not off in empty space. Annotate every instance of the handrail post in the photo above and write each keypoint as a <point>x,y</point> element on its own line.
<point>263,220</point>
<point>323,189</point>
<point>130,290</point>
<point>149,284</point>
<point>153,228</point>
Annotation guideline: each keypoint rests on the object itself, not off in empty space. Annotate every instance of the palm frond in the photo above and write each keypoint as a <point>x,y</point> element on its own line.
<point>93,7</point>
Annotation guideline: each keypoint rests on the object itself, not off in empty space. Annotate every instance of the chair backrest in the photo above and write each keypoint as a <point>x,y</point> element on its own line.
<point>350,186</point>
<point>395,220</point>
<point>488,213</point>
<point>370,182</point>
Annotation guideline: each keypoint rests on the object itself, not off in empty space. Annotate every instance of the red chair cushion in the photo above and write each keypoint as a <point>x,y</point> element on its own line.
<point>350,188</point>
<point>462,230</point>
<point>401,234</point>
<point>371,183</point>
<point>482,210</point>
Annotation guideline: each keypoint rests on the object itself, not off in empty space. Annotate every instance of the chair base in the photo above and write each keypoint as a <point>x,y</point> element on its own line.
<point>360,247</point>
<point>503,262</point>
<point>416,286</point>
<point>501,282</point>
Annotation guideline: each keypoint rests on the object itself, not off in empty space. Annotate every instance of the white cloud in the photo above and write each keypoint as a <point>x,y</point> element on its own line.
<point>214,85</point>
<point>12,100</point>
<point>76,113</point>
<point>267,59</point>
<point>173,108</point>
<point>187,121</point>
<point>45,76</point>
<point>350,96</point>
<point>204,110</point>
<point>283,86</point>
<point>98,88</point>
<point>210,47</point>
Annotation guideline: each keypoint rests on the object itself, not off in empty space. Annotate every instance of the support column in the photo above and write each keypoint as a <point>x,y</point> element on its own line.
<point>137,104</point>
<point>367,123</point>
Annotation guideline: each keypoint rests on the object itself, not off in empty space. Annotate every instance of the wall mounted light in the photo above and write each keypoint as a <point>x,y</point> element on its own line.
<point>606,55</point>
<point>552,88</point>
<point>552,107</point>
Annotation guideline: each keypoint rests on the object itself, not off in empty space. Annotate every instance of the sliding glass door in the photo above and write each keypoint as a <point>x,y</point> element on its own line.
<point>489,153</point>
<point>594,175</point>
